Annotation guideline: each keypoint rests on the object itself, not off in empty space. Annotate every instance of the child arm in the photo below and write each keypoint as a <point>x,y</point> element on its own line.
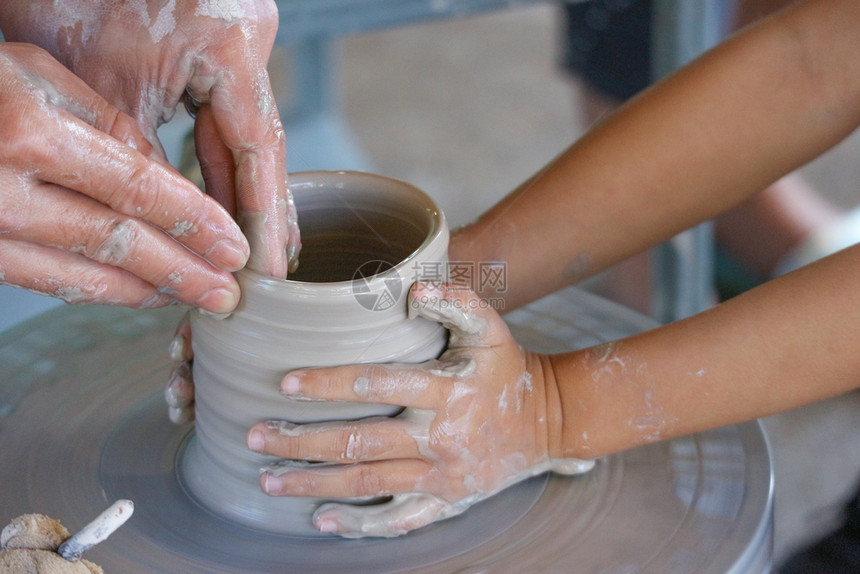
<point>753,109</point>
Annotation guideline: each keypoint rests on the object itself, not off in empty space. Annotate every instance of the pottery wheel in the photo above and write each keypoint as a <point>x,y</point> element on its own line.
<point>83,422</point>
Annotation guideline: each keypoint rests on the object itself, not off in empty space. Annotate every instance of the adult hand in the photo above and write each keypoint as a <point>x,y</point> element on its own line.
<point>476,422</point>
<point>145,57</point>
<point>87,213</point>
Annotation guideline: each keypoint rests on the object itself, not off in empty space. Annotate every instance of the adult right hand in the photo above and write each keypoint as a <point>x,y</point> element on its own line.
<point>88,213</point>
<point>479,419</point>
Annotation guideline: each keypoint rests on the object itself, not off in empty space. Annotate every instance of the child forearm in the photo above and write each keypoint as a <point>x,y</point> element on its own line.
<point>753,109</point>
<point>790,342</point>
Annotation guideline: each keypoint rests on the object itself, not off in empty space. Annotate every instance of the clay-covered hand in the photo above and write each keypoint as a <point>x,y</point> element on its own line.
<point>145,57</point>
<point>87,213</point>
<point>476,421</point>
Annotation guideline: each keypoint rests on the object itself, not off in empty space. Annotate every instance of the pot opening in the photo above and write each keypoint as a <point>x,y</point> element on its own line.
<point>345,243</point>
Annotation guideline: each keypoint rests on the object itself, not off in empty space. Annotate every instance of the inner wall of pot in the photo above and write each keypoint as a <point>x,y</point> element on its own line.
<point>358,238</point>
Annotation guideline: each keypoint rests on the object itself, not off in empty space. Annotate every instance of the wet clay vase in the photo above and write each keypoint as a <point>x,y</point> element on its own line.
<point>366,239</point>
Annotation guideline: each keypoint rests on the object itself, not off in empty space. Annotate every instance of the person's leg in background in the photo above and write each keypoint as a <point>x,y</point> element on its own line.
<point>606,52</point>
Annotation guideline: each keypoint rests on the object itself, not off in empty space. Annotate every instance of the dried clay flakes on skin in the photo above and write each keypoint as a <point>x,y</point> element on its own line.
<point>73,15</point>
<point>227,10</point>
<point>164,23</point>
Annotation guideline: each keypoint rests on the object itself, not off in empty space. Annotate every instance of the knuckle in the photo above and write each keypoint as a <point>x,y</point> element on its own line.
<point>353,446</point>
<point>289,447</point>
<point>21,142</point>
<point>308,483</point>
<point>87,289</point>
<point>216,163</point>
<point>447,451</point>
<point>298,483</point>
<point>114,242</point>
<point>373,382</point>
<point>434,481</point>
<point>122,127</point>
<point>368,482</point>
<point>13,215</point>
<point>290,441</point>
<point>139,192</point>
<point>172,278</point>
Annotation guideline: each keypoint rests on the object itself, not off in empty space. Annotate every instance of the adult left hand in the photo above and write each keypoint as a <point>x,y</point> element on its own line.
<point>476,421</point>
<point>146,57</point>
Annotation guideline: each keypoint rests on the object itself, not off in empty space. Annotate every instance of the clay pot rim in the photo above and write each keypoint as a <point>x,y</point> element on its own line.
<point>437,232</point>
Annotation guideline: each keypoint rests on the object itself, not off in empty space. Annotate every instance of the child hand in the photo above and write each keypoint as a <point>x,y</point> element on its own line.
<point>476,421</point>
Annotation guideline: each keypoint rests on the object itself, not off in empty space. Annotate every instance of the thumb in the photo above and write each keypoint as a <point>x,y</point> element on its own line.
<point>402,514</point>
<point>472,321</point>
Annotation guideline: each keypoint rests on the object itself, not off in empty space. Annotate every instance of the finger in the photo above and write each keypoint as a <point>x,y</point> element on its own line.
<point>470,320</point>
<point>179,392</point>
<point>245,112</point>
<point>403,513</point>
<point>74,278</point>
<point>294,240</point>
<point>377,438</point>
<point>88,159</point>
<point>180,348</point>
<point>422,386</point>
<point>136,186</point>
<point>366,479</point>
<point>216,160</point>
<point>76,223</point>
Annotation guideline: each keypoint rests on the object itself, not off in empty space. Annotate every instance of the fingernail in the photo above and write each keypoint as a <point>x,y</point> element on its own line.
<point>292,257</point>
<point>291,385</point>
<point>327,525</point>
<point>177,349</point>
<point>227,255</point>
<point>180,416</point>
<point>172,397</point>
<point>271,483</point>
<point>218,300</point>
<point>256,441</point>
